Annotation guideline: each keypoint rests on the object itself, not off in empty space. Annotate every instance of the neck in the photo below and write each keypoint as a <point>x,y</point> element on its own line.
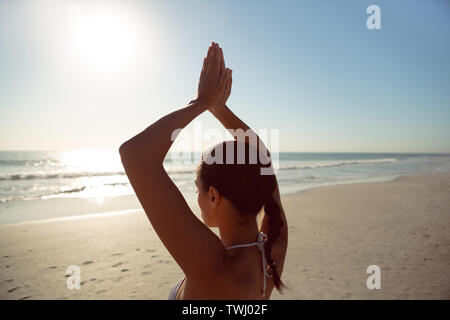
<point>236,230</point>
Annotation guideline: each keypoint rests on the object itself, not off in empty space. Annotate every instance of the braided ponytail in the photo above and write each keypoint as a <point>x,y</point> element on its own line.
<point>273,212</point>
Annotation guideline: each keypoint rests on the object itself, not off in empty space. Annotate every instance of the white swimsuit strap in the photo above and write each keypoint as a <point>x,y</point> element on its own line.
<point>262,237</point>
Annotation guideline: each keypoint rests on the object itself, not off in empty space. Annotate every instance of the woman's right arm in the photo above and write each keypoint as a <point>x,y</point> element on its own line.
<point>230,121</point>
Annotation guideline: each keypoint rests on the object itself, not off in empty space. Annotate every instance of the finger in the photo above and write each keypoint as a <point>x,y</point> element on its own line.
<point>204,65</point>
<point>228,82</point>
<point>216,62</point>
<point>203,72</point>
<point>210,50</point>
<point>210,60</point>
<point>222,61</point>
<point>222,79</point>
<point>211,53</point>
<point>225,87</point>
<point>227,77</point>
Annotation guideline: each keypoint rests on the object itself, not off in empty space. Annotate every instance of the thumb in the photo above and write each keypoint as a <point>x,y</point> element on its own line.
<point>228,83</point>
<point>224,77</point>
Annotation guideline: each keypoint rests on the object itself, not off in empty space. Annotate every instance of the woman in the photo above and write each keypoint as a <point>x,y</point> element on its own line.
<point>246,262</point>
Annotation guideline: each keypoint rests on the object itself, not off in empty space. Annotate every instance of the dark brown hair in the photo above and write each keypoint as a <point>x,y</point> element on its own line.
<point>244,186</point>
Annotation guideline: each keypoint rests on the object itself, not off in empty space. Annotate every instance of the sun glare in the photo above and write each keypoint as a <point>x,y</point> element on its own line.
<point>91,160</point>
<point>101,38</point>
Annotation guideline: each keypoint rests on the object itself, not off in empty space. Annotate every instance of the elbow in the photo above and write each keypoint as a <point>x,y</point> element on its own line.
<point>128,156</point>
<point>125,150</point>
<point>131,154</point>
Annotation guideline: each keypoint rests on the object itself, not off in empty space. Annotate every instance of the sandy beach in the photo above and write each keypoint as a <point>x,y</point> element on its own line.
<point>336,232</point>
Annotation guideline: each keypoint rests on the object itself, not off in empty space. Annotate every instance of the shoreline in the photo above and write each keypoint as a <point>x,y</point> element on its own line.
<point>132,201</point>
<point>335,233</point>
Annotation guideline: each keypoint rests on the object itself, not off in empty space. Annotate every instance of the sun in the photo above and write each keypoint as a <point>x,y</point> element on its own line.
<point>102,38</point>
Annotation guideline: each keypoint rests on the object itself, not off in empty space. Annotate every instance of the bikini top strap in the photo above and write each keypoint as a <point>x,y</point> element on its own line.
<point>262,238</point>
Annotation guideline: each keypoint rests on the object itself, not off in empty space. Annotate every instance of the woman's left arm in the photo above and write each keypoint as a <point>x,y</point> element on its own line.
<point>196,249</point>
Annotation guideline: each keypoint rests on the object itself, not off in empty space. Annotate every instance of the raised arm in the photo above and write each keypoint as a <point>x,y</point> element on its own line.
<point>230,121</point>
<point>193,245</point>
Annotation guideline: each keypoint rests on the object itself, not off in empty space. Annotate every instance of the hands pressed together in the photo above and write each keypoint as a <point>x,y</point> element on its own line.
<point>214,86</point>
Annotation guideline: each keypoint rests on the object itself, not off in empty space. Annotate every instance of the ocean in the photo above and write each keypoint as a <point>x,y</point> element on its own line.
<point>37,185</point>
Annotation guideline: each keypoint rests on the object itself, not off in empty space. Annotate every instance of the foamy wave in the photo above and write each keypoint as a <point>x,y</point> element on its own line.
<point>47,194</point>
<point>324,164</point>
<point>34,163</point>
<point>177,170</point>
<point>306,165</point>
<point>185,170</point>
<point>73,175</point>
<point>65,175</point>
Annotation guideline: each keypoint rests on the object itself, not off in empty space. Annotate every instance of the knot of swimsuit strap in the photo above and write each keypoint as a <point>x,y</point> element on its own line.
<point>262,238</point>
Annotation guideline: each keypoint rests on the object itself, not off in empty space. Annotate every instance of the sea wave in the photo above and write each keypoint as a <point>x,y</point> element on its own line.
<point>61,175</point>
<point>46,194</point>
<point>73,175</point>
<point>183,170</point>
<point>33,163</point>
<point>323,164</point>
<point>307,165</point>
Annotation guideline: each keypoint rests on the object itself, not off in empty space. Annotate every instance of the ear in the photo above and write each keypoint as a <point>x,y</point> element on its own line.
<point>214,196</point>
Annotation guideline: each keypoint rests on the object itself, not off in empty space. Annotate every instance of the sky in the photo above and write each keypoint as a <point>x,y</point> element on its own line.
<point>92,74</point>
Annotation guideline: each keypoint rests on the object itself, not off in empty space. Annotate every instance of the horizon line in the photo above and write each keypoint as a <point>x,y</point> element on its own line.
<point>385,152</point>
